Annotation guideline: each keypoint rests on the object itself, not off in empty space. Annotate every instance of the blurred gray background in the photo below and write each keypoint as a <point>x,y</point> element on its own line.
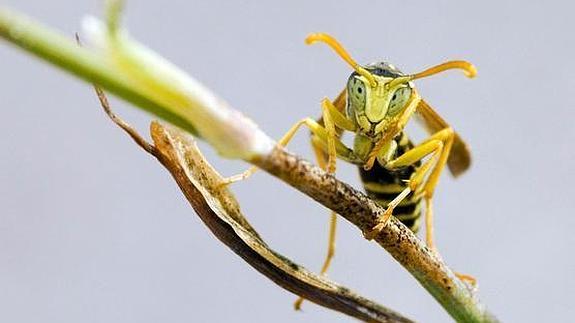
<point>94,230</point>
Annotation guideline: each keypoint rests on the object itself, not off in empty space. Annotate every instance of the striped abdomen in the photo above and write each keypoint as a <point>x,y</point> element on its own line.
<point>383,185</point>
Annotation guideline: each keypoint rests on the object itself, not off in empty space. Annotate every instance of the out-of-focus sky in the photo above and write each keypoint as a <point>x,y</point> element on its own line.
<point>94,230</point>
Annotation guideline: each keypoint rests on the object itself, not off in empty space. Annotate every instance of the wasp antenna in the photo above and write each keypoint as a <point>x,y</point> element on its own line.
<point>468,68</point>
<point>338,48</point>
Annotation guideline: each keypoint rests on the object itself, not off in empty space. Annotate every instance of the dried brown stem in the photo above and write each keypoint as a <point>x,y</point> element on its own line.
<point>427,267</point>
<point>219,210</point>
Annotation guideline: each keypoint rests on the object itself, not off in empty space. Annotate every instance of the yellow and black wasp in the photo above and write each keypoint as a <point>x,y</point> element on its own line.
<point>376,105</point>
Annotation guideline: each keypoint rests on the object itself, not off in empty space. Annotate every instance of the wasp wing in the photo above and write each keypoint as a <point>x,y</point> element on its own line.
<point>460,156</point>
<point>339,102</point>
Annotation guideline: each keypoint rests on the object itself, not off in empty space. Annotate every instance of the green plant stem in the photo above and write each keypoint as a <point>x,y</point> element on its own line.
<point>63,52</point>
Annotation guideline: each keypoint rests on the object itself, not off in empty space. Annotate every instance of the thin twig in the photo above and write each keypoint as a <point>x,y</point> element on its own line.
<point>122,124</point>
<point>105,104</point>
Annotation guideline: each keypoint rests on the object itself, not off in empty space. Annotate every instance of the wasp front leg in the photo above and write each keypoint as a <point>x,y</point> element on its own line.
<point>324,138</point>
<point>437,147</point>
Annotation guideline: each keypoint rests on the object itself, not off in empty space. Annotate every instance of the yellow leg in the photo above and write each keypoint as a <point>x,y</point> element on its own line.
<point>330,127</point>
<point>338,119</point>
<point>382,220</point>
<point>329,255</point>
<point>414,184</point>
<point>331,243</point>
<point>446,135</point>
<point>330,167</point>
<point>429,223</point>
<point>332,117</point>
<point>239,177</point>
<point>435,146</point>
<point>315,128</point>
<point>429,189</point>
<point>329,112</point>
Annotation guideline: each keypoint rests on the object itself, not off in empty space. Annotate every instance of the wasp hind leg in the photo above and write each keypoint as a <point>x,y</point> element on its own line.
<point>331,118</point>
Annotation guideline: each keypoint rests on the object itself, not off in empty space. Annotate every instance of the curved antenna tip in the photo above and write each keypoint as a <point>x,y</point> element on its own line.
<point>338,48</point>
<point>315,37</point>
<point>310,39</point>
<point>470,71</point>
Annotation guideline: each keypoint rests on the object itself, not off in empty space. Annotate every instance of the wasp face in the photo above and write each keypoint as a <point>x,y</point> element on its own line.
<point>378,93</point>
<point>376,106</point>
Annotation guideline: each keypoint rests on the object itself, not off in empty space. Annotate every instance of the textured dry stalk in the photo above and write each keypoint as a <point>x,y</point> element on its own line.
<point>426,266</point>
<point>219,210</point>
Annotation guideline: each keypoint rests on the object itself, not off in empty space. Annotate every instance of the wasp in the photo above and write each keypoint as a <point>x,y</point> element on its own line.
<point>376,104</point>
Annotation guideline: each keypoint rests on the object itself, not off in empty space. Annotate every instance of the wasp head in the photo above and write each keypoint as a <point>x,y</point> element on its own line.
<point>375,108</point>
<point>378,93</point>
